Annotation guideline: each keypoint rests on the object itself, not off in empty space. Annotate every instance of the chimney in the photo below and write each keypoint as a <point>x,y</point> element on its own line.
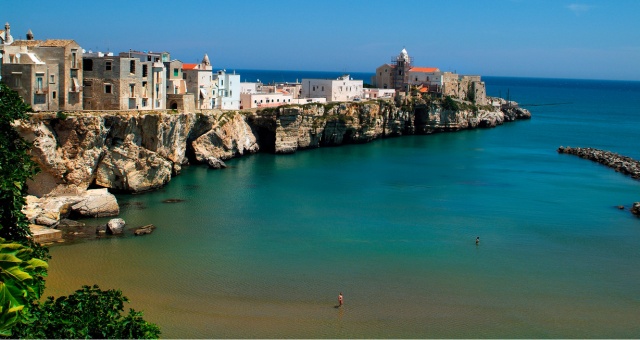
<point>29,35</point>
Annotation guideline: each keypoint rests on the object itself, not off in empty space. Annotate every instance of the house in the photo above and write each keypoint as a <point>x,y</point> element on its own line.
<point>342,89</point>
<point>199,81</point>
<point>228,90</point>
<point>46,74</point>
<point>254,100</point>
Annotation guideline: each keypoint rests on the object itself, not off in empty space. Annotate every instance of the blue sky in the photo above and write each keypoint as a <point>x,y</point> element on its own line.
<point>589,39</point>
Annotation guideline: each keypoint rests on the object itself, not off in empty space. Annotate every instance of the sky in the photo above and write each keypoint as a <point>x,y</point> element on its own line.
<point>581,39</point>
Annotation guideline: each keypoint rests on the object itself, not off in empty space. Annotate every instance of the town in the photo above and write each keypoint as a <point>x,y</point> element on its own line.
<point>59,75</point>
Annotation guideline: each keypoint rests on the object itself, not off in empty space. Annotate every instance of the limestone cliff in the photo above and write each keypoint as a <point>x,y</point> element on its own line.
<point>133,151</point>
<point>127,151</point>
<point>288,129</point>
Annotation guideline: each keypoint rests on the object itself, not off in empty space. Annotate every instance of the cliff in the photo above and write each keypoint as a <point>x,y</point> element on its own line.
<point>133,151</point>
<point>127,151</point>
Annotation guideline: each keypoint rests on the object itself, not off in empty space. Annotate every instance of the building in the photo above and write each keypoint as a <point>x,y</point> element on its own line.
<point>401,75</point>
<point>379,93</point>
<point>334,90</point>
<point>264,100</point>
<point>199,81</point>
<point>46,74</point>
<point>123,82</point>
<point>228,91</point>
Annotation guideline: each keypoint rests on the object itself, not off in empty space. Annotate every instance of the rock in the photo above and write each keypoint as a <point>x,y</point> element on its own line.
<point>173,200</point>
<point>635,209</point>
<point>230,136</point>
<point>65,222</point>
<point>115,226</point>
<point>147,229</point>
<point>619,163</point>
<point>101,229</point>
<point>215,163</point>
<point>621,207</point>
<point>97,203</point>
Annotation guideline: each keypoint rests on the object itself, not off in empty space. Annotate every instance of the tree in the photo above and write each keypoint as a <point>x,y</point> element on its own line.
<point>89,313</point>
<point>22,261</point>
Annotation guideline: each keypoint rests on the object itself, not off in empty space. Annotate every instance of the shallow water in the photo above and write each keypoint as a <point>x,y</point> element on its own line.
<point>263,248</point>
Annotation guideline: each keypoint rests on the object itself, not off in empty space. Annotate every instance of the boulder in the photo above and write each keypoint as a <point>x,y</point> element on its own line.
<point>147,229</point>
<point>635,209</point>
<point>215,163</point>
<point>115,226</point>
<point>96,203</point>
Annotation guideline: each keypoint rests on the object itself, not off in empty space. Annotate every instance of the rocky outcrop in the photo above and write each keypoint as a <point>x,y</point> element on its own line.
<point>288,129</point>
<point>622,164</point>
<point>128,151</point>
<point>133,151</point>
<point>635,209</point>
<point>50,210</point>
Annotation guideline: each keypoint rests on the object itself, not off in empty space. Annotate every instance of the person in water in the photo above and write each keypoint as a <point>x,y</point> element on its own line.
<point>340,300</point>
<point>478,240</point>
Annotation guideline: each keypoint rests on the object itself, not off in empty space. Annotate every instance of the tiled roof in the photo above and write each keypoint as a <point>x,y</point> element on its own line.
<point>28,43</point>
<point>189,66</point>
<point>56,43</point>
<point>424,69</point>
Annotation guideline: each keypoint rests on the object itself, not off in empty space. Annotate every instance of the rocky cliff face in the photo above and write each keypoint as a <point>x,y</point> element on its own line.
<point>288,129</point>
<point>127,151</point>
<point>139,151</point>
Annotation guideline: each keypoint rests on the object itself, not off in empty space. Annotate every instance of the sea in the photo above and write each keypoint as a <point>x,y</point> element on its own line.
<point>263,248</point>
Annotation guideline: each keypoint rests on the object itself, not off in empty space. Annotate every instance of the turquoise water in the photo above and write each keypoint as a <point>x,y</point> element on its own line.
<point>263,248</point>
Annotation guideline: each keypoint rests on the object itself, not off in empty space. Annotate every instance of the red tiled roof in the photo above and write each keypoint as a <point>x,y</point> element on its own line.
<point>424,69</point>
<point>189,66</point>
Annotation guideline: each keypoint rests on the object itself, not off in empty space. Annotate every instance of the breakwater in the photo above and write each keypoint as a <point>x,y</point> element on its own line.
<point>622,164</point>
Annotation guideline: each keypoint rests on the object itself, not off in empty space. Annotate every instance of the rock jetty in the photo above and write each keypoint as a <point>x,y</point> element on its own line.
<point>622,164</point>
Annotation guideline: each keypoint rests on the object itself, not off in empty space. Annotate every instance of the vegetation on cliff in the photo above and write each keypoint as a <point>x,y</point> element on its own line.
<point>90,312</point>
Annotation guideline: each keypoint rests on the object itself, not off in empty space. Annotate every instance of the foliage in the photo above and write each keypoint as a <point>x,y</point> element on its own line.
<point>450,104</point>
<point>89,313</point>
<point>16,166</point>
<point>21,276</point>
<point>62,115</point>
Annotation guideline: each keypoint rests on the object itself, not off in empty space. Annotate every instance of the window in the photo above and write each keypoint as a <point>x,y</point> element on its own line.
<point>74,57</point>
<point>87,65</point>
<point>86,83</point>
<point>221,81</point>
<point>184,76</point>
<point>107,65</point>
<point>132,67</point>
<point>53,94</point>
<point>132,90</point>
<point>145,70</point>
<point>18,81</point>
<point>39,78</point>
<point>52,79</point>
<point>107,88</point>
<point>176,72</point>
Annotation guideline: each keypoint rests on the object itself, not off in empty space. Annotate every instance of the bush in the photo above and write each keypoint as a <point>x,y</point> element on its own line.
<point>89,313</point>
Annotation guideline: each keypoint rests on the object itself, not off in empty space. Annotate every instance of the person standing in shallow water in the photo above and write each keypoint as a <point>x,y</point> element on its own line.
<point>477,240</point>
<point>340,300</point>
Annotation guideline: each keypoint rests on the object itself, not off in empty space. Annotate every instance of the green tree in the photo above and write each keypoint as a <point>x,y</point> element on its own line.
<point>89,313</point>
<point>22,261</point>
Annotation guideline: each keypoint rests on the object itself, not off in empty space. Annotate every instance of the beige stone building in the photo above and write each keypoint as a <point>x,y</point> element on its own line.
<point>46,74</point>
<point>199,82</point>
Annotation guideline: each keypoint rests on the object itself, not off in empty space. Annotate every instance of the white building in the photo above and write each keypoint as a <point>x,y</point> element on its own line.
<point>264,100</point>
<point>337,90</point>
<point>227,91</point>
<point>379,93</point>
<point>199,79</point>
